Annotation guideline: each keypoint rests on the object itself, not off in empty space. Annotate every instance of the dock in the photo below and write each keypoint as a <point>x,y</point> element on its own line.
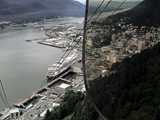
<point>49,96</point>
<point>53,44</point>
<point>61,79</point>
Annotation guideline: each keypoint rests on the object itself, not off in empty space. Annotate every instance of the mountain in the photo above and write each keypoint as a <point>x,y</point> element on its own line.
<point>131,91</point>
<point>30,10</point>
<point>112,6</point>
<point>145,13</point>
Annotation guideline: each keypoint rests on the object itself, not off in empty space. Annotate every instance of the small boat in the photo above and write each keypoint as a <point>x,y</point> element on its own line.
<point>28,40</point>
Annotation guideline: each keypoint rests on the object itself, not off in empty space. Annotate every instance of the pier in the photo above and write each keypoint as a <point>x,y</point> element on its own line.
<point>47,97</point>
<point>61,77</point>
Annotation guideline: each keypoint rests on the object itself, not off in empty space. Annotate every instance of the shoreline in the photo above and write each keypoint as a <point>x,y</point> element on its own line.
<point>64,83</point>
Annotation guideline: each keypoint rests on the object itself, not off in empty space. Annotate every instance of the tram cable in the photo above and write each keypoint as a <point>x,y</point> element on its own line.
<point>3,100</point>
<point>122,3</point>
<point>63,60</point>
<point>84,64</point>
<point>84,46</point>
<point>66,51</point>
<point>4,93</point>
<point>96,10</point>
<point>105,7</point>
<point>107,4</point>
<point>84,54</point>
<point>59,61</point>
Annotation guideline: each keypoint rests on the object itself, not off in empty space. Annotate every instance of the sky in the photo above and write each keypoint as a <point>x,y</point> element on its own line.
<point>82,1</point>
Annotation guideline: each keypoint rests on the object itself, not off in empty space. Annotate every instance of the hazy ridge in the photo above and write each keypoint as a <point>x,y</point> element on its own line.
<point>31,10</point>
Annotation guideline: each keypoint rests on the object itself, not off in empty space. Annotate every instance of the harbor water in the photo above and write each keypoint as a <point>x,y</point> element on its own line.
<point>23,65</point>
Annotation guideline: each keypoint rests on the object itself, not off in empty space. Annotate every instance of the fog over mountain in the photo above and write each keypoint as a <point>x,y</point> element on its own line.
<point>24,10</point>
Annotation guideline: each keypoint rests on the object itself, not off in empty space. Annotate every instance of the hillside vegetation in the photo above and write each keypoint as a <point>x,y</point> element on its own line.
<point>132,92</point>
<point>74,106</point>
<point>145,13</point>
